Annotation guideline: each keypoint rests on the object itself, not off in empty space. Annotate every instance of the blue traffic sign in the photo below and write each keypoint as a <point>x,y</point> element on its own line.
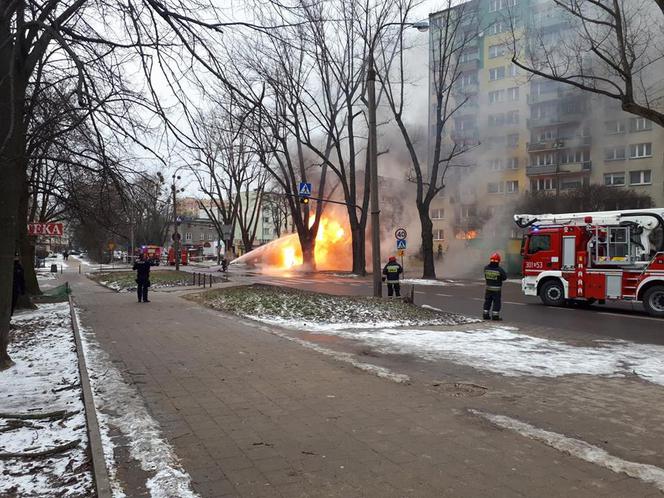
<point>305,189</point>
<point>401,244</point>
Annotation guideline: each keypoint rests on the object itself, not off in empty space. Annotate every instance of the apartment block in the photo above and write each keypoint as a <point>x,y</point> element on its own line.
<point>530,133</point>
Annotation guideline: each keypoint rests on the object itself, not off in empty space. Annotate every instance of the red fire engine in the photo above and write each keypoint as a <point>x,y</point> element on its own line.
<point>594,257</point>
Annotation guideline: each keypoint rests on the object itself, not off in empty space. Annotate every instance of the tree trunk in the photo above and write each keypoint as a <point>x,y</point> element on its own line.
<point>359,249</point>
<point>429,271</point>
<point>25,245</point>
<point>308,253</point>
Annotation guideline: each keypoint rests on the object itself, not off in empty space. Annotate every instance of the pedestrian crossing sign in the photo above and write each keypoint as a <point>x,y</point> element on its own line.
<point>305,189</point>
<point>401,244</point>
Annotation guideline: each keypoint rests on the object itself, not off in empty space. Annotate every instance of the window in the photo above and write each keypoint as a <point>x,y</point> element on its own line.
<point>497,73</point>
<point>513,163</point>
<point>637,151</point>
<point>513,94</point>
<point>539,243</point>
<point>614,179</point>
<point>614,127</point>
<point>495,164</point>
<point>575,156</point>
<point>468,211</point>
<point>512,186</point>
<point>496,51</point>
<point>513,140</point>
<point>614,153</point>
<point>495,187</point>
<point>496,119</point>
<point>640,177</point>
<point>512,117</point>
<point>570,184</point>
<point>543,159</point>
<point>266,231</point>
<point>542,184</point>
<point>513,70</point>
<point>437,213</point>
<point>546,135</point>
<point>498,27</point>
<point>639,124</point>
<point>202,236</point>
<point>468,79</point>
<point>188,236</point>
<point>496,5</point>
<point>439,234</point>
<point>497,96</point>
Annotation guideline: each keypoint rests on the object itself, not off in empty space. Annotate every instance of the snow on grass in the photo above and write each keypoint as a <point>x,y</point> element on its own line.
<point>125,281</point>
<point>580,449</point>
<point>505,351</point>
<point>44,379</point>
<point>443,283</point>
<point>313,311</point>
<point>122,409</point>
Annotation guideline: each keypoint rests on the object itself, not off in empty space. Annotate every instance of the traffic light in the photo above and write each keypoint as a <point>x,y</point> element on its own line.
<point>304,200</point>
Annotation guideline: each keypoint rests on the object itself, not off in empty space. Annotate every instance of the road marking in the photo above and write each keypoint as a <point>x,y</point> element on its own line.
<point>445,295</point>
<point>580,449</point>
<point>420,292</point>
<point>515,303</point>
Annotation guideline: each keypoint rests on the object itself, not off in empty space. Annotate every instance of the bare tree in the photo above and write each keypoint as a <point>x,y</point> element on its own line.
<point>612,48</point>
<point>448,42</point>
<point>93,39</point>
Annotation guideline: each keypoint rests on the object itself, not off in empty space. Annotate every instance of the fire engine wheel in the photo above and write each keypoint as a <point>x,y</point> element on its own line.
<point>653,301</point>
<point>552,293</point>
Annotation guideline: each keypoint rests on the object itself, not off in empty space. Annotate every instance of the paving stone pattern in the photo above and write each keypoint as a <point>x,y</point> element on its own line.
<point>252,414</point>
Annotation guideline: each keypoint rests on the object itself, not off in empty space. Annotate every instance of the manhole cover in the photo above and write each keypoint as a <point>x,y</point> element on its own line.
<point>460,389</point>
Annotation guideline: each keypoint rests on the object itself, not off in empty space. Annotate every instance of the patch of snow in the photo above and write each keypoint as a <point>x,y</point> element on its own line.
<point>444,283</point>
<point>580,449</point>
<point>505,351</point>
<point>121,407</point>
<point>44,379</point>
<point>426,306</point>
<point>344,357</point>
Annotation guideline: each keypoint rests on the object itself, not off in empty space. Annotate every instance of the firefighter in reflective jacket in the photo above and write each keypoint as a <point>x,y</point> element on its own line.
<point>494,276</point>
<point>391,272</point>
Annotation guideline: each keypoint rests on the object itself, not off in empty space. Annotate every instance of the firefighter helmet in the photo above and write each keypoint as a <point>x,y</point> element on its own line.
<point>495,258</point>
<point>392,259</point>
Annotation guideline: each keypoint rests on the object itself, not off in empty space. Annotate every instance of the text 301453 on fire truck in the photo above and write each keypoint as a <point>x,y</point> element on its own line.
<point>595,256</point>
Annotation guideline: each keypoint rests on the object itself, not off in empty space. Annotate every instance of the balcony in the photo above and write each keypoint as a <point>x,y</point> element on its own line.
<point>575,168</point>
<point>556,119</point>
<point>544,97</point>
<point>469,65</point>
<point>467,89</point>
<point>559,169</point>
<point>536,170</point>
<point>545,145</point>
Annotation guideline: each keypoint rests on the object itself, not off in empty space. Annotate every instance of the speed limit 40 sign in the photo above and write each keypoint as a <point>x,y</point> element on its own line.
<point>400,233</point>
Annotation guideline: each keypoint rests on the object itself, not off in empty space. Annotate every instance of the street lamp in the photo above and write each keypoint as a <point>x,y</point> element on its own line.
<point>373,155</point>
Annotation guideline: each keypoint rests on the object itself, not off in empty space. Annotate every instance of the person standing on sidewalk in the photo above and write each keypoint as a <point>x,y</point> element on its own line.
<point>391,272</point>
<point>142,268</point>
<point>494,276</point>
<point>18,282</point>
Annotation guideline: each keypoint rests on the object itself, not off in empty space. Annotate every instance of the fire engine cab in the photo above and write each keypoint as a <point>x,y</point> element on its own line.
<point>594,257</point>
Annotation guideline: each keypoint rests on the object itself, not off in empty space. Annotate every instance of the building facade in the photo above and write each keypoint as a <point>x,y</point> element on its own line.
<point>530,133</point>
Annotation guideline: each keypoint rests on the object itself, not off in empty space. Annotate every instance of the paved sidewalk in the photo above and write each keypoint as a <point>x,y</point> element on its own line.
<point>252,414</point>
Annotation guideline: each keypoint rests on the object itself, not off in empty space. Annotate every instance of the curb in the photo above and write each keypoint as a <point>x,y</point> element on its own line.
<point>100,473</point>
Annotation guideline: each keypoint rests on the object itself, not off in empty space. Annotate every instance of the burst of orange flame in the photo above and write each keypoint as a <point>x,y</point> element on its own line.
<point>469,235</point>
<point>332,252</point>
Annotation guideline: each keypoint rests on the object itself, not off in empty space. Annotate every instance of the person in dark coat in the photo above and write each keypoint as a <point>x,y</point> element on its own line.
<point>391,272</point>
<point>494,276</point>
<point>142,268</point>
<point>18,283</point>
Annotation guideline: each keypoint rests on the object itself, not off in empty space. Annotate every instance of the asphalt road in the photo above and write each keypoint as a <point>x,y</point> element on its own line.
<point>614,320</point>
